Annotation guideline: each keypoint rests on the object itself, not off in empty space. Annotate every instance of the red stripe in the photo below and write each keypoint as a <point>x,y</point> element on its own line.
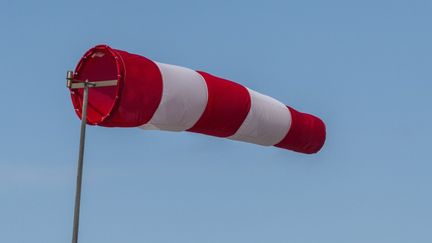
<point>227,107</point>
<point>306,134</point>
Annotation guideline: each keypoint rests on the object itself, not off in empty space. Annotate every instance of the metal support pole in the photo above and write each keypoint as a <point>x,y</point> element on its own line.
<point>72,84</point>
<point>80,165</point>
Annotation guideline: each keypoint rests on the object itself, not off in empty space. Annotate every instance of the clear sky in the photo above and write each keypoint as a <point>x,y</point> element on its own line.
<point>363,66</point>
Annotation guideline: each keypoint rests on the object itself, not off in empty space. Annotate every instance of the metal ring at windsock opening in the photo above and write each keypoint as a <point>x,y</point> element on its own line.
<point>122,105</point>
<point>154,95</point>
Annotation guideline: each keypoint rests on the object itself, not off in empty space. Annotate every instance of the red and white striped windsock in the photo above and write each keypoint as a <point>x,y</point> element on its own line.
<point>152,95</point>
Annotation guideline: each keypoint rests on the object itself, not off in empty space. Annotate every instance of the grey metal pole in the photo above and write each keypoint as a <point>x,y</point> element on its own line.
<point>80,165</point>
<point>77,84</point>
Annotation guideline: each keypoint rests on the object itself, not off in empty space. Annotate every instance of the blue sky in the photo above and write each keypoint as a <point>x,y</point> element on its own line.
<point>363,66</point>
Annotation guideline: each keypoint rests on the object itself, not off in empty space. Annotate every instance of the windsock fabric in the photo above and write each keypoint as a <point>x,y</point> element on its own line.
<point>152,95</point>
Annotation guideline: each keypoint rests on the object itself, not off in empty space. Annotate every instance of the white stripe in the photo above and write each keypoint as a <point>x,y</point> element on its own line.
<point>267,122</point>
<point>184,99</point>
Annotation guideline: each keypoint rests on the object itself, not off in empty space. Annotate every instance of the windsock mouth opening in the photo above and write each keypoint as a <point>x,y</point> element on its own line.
<point>100,63</point>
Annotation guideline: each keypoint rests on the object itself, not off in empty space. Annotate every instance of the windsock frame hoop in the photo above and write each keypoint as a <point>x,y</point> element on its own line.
<point>104,100</point>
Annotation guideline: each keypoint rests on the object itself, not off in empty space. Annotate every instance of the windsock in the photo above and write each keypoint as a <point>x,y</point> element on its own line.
<point>153,95</point>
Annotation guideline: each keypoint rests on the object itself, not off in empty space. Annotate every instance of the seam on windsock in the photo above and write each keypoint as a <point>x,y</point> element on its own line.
<point>206,98</point>
<point>121,80</point>
<point>147,125</point>
<point>289,126</point>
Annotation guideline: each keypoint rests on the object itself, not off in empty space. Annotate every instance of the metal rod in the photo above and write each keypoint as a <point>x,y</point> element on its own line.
<point>71,83</point>
<point>80,165</point>
<point>103,83</point>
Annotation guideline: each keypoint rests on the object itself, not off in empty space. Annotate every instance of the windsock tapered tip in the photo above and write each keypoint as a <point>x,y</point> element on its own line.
<point>307,133</point>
